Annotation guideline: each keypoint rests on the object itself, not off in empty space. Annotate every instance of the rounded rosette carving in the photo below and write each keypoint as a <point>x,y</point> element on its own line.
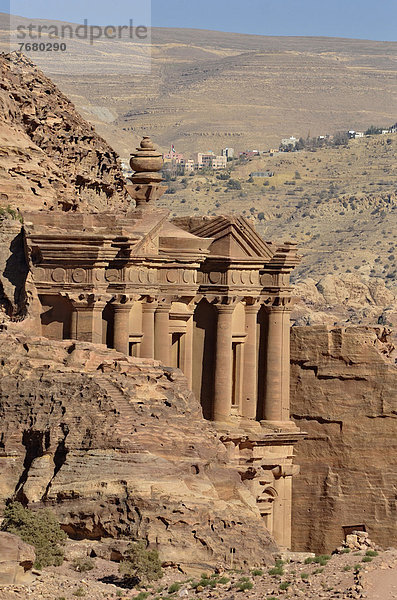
<point>58,275</point>
<point>78,275</point>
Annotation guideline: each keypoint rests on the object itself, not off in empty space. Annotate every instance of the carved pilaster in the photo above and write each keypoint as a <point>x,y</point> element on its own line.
<point>86,319</point>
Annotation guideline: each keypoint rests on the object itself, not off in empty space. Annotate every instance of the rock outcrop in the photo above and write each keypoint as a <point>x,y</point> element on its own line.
<point>50,157</point>
<point>344,299</point>
<point>344,394</point>
<point>118,447</point>
<point>16,560</point>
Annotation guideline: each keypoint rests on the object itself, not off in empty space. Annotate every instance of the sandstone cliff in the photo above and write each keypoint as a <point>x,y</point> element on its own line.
<point>49,155</point>
<point>344,394</point>
<point>345,299</point>
<point>118,447</point>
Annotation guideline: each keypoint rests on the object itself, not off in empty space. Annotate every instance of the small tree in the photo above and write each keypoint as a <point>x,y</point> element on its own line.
<point>141,563</point>
<point>341,138</point>
<point>40,529</point>
<point>234,184</point>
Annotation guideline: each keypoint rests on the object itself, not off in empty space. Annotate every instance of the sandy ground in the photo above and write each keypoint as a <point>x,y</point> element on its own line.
<point>382,584</point>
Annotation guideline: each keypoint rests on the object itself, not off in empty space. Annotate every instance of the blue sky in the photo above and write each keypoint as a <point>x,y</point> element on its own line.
<point>366,19</point>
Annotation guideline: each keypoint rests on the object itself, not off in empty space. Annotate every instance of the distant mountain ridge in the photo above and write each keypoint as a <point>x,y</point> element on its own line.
<point>210,89</point>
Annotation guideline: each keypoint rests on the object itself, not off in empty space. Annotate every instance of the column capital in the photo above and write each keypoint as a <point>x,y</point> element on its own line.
<point>279,304</point>
<point>224,304</point>
<point>88,300</point>
<point>164,304</point>
<point>225,309</point>
<point>123,301</point>
<point>149,305</point>
<point>252,304</point>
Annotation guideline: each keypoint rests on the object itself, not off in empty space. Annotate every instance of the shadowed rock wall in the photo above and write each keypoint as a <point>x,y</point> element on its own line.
<point>344,394</point>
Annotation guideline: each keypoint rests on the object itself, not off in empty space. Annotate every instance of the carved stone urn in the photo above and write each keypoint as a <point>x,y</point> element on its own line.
<point>146,162</point>
<point>146,185</point>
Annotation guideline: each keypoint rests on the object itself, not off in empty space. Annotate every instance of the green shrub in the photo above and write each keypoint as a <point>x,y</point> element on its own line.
<point>80,592</point>
<point>223,580</point>
<point>347,568</point>
<point>322,559</point>
<point>345,551</point>
<point>367,559</point>
<point>357,567</point>
<point>83,564</point>
<point>10,212</point>
<point>141,563</point>
<point>309,560</point>
<point>245,585</point>
<point>305,576</point>
<point>244,579</point>
<point>276,571</point>
<point>142,596</point>
<point>234,184</point>
<point>40,529</point>
<point>256,572</point>
<point>279,562</point>
<point>174,587</point>
<point>285,585</point>
<point>318,571</point>
<point>371,553</point>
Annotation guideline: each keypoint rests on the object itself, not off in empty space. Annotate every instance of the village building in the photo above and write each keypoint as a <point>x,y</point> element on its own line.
<point>204,294</point>
<point>174,156</point>
<point>209,160</point>
<point>228,152</point>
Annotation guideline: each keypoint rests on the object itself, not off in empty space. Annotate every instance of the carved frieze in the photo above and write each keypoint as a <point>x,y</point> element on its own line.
<point>268,279</point>
<point>79,275</point>
<point>113,275</point>
<point>58,275</point>
<point>215,277</point>
<point>172,276</point>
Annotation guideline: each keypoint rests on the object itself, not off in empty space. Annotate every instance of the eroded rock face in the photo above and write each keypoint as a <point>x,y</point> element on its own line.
<point>118,447</point>
<point>50,156</point>
<point>344,394</point>
<point>344,299</point>
<point>16,560</point>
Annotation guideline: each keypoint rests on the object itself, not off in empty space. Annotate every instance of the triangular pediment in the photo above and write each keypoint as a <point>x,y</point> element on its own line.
<point>233,237</point>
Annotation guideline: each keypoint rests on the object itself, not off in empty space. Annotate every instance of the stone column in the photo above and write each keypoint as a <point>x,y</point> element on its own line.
<point>147,344</point>
<point>188,352</point>
<point>86,319</point>
<point>282,509</point>
<point>250,369</point>
<point>162,333</point>
<point>279,512</point>
<point>121,324</point>
<point>223,363</point>
<point>276,405</point>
